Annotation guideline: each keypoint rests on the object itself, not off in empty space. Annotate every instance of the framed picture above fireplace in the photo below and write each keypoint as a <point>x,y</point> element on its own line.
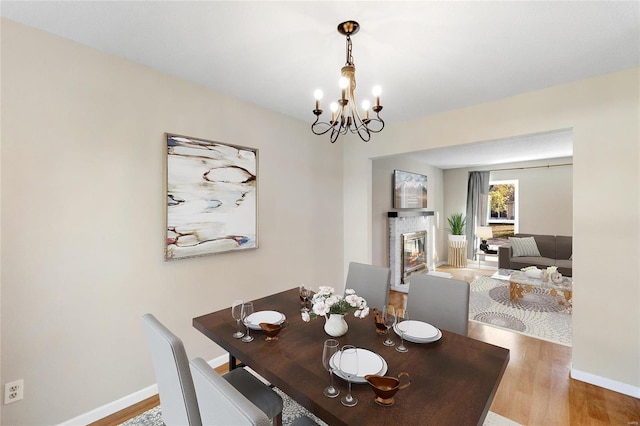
<point>409,190</point>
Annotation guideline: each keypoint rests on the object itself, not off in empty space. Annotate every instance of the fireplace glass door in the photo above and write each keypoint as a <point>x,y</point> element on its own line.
<point>414,255</point>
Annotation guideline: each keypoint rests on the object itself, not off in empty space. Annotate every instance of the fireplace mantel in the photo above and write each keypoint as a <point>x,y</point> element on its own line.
<point>410,213</point>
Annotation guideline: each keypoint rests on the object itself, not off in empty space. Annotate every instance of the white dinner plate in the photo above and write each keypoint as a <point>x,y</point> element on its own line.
<point>271,317</point>
<point>415,340</point>
<point>368,363</point>
<point>418,331</point>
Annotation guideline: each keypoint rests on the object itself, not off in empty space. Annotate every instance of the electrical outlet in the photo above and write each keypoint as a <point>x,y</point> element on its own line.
<point>13,391</point>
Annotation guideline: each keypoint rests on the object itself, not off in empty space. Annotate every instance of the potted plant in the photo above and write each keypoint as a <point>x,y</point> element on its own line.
<point>457,223</point>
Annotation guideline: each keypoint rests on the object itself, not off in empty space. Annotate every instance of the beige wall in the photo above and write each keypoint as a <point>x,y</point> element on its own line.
<point>382,202</point>
<point>545,194</point>
<point>603,113</point>
<point>82,220</point>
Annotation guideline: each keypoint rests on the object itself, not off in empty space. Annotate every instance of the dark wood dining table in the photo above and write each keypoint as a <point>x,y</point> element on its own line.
<point>453,380</point>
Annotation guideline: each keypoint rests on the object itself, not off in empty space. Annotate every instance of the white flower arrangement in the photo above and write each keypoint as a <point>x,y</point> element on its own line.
<point>551,269</point>
<point>528,268</point>
<point>325,301</point>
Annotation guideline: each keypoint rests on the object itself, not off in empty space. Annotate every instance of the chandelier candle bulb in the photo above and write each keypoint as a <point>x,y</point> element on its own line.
<point>318,95</point>
<point>377,91</point>
<point>365,107</point>
<point>344,83</point>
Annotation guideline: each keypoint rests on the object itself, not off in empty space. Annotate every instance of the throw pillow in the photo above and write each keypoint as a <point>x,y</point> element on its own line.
<point>524,247</point>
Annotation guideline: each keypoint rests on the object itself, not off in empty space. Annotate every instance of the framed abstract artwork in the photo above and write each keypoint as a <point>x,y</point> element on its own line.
<point>212,197</point>
<point>409,190</point>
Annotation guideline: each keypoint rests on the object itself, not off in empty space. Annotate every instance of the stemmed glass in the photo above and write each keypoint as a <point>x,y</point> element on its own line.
<point>247,309</point>
<point>236,313</point>
<point>330,349</point>
<point>389,317</point>
<point>305,292</point>
<point>401,315</point>
<point>349,367</point>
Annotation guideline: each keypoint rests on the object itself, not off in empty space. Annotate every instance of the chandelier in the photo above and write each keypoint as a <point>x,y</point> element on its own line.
<point>345,116</point>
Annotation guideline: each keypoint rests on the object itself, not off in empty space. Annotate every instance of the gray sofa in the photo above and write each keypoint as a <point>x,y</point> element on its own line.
<point>555,250</point>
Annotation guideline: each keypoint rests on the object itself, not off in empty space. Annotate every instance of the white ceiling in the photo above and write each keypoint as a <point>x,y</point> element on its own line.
<point>428,56</point>
<point>541,146</point>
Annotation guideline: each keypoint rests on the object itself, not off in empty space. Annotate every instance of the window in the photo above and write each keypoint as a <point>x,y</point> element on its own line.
<point>503,203</point>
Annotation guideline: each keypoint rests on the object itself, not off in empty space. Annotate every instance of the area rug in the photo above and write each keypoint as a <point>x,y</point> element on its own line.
<point>537,314</point>
<point>291,411</point>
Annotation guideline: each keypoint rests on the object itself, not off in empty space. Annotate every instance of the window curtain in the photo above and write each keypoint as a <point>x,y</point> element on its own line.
<point>477,197</point>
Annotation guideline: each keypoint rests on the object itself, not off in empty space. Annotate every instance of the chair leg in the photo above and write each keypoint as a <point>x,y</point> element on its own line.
<point>277,420</point>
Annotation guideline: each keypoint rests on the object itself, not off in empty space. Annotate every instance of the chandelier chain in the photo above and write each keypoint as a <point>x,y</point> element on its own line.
<point>349,56</point>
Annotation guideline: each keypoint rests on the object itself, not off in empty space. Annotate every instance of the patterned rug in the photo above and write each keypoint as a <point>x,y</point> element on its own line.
<point>537,314</point>
<point>291,411</point>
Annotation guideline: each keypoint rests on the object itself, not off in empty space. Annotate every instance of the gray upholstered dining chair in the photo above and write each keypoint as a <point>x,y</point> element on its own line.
<point>442,302</point>
<point>185,404</point>
<point>370,282</point>
<point>230,407</point>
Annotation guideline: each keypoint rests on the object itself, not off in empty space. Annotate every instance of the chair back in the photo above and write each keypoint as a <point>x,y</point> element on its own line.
<point>370,282</point>
<point>225,404</point>
<point>442,302</point>
<point>171,366</point>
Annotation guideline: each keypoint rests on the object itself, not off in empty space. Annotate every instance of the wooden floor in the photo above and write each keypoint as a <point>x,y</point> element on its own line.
<point>535,390</point>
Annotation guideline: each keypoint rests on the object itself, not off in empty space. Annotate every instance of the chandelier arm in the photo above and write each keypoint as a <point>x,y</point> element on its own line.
<point>367,121</point>
<point>318,123</point>
<point>343,128</point>
<point>356,116</point>
<point>364,133</point>
<point>373,120</point>
<point>360,126</point>
<point>379,120</point>
<point>331,125</point>
<point>334,135</point>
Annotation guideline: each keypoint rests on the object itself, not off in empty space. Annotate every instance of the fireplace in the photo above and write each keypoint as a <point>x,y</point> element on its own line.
<point>414,255</point>
<point>406,222</point>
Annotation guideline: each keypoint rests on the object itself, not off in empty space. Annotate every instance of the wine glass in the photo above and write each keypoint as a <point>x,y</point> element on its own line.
<point>349,368</point>
<point>330,349</point>
<point>401,315</point>
<point>236,313</point>
<point>389,317</point>
<point>305,292</point>
<point>247,309</point>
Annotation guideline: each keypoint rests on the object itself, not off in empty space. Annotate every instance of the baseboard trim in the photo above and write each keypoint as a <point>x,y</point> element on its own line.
<point>603,382</point>
<point>127,401</point>
<point>112,407</point>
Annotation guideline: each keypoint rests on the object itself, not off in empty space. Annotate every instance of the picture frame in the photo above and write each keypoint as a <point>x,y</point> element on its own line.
<point>409,190</point>
<point>211,197</point>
